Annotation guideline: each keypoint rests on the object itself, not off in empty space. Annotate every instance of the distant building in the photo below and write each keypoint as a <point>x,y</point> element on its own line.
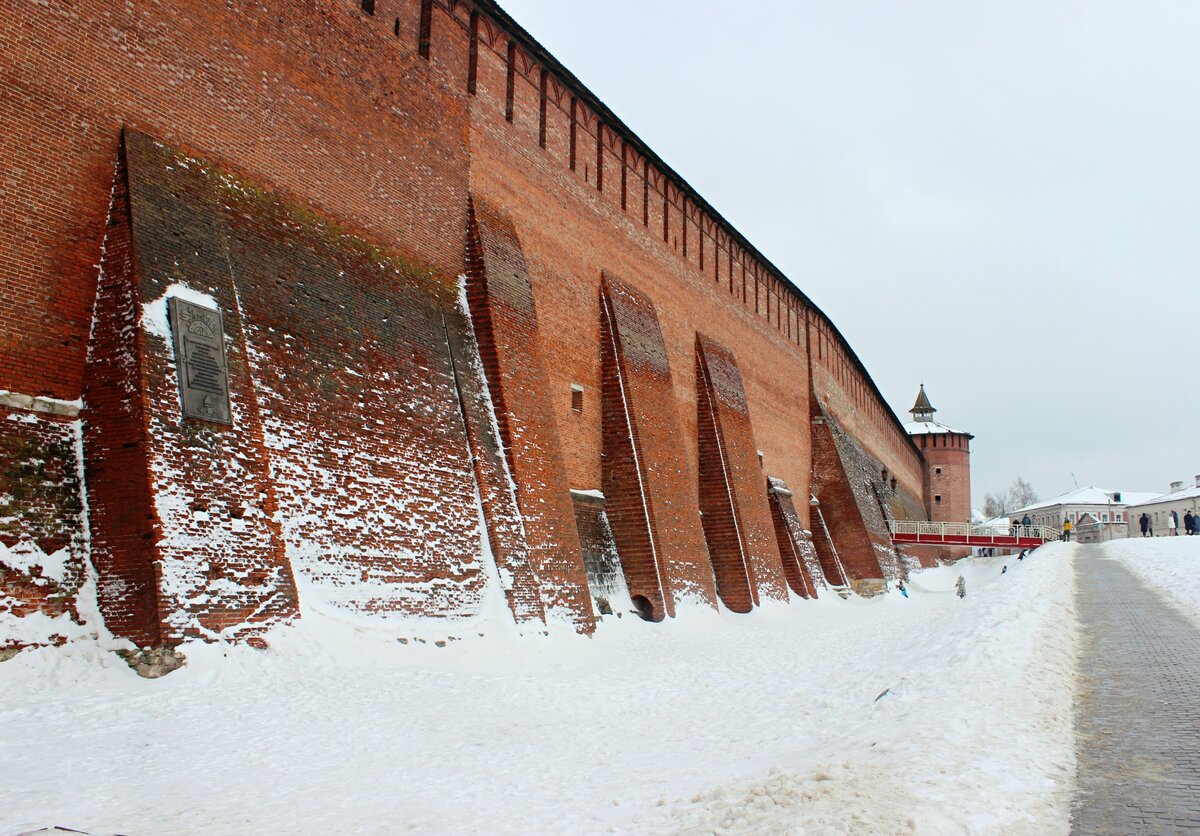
<point>1104,514</point>
<point>1179,499</point>
<point>947,475</point>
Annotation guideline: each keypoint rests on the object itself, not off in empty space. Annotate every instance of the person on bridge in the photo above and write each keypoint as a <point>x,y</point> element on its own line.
<point>1173,523</point>
<point>1025,521</point>
<point>1067,530</point>
<point>1144,522</point>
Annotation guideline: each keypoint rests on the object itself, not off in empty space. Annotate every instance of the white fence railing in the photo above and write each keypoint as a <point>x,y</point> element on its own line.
<point>944,530</point>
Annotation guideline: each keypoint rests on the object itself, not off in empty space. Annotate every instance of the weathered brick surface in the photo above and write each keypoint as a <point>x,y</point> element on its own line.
<point>506,322</point>
<point>42,549</point>
<point>217,553</point>
<point>314,98</point>
<point>497,488</point>
<point>650,489</point>
<point>845,391</point>
<point>796,550</point>
<point>844,482</point>
<point>116,455</point>
<point>733,499</point>
<point>606,577</point>
<point>379,127</point>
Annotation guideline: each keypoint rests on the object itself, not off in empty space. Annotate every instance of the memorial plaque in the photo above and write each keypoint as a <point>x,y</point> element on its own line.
<point>200,361</point>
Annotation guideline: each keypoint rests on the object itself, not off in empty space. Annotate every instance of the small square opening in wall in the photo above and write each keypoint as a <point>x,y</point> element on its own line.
<point>576,398</point>
<point>937,471</point>
<point>938,498</point>
<point>368,6</point>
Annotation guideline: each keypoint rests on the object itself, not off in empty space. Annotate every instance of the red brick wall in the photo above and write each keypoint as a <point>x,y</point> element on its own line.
<point>316,99</point>
<point>571,232</point>
<point>361,140</point>
<point>733,499</point>
<point>841,513</point>
<point>506,322</point>
<point>120,496</point>
<point>217,564</point>
<point>649,487</point>
<point>849,396</point>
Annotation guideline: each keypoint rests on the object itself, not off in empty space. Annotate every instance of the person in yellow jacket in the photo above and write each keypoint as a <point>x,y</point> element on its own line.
<point>1067,530</point>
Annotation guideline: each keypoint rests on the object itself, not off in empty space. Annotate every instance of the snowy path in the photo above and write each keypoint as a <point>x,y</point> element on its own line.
<point>1138,713</point>
<point>766,723</point>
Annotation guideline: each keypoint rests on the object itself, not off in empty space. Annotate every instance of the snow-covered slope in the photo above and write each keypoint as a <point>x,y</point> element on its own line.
<point>927,713</point>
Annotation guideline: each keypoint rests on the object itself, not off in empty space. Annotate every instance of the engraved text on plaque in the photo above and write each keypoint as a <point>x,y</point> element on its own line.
<point>200,360</point>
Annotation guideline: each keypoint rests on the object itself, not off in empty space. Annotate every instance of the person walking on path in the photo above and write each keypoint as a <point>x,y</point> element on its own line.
<point>1173,524</point>
<point>1189,523</point>
<point>1144,522</point>
<point>1067,530</point>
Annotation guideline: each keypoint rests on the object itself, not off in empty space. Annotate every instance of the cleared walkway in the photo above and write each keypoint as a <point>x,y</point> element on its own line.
<point>1139,707</point>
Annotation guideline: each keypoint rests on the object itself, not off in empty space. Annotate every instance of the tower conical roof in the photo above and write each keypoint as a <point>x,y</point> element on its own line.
<point>922,408</point>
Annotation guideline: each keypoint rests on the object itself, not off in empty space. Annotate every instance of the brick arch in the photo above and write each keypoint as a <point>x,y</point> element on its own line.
<point>525,63</point>
<point>557,92</point>
<point>490,33</point>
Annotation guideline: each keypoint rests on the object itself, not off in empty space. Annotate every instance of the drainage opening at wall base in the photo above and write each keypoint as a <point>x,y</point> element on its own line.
<point>643,607</point>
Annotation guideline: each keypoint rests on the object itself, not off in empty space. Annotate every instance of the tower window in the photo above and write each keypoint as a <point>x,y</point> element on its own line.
<point>576,398</point>
<point>368,6</point>
<point>937,471</point>
<point>938,498</point>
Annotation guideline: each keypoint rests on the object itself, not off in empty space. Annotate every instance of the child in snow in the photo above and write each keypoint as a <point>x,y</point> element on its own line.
<point>903,591</point>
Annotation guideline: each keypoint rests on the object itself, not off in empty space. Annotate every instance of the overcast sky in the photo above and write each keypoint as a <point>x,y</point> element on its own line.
<point>996,199</point>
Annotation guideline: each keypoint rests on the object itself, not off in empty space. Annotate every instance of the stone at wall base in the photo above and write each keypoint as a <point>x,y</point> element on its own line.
<point>868,587</point>
<point>153,662</point>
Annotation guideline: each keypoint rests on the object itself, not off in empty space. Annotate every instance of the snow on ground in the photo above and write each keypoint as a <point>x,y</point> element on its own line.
<point>1168,565</point>
<point>928,714</point>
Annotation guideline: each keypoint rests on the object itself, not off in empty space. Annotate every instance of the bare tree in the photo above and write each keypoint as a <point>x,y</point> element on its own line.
<point>994,506</point>
<point>1017,495</point>
<point>1022,493</point>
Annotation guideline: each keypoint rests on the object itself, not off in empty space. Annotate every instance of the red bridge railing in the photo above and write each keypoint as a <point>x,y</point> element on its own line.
<point>968,534</point>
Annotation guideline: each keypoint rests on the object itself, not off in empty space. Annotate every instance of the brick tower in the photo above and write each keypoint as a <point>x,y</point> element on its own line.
<point>947,478</point>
